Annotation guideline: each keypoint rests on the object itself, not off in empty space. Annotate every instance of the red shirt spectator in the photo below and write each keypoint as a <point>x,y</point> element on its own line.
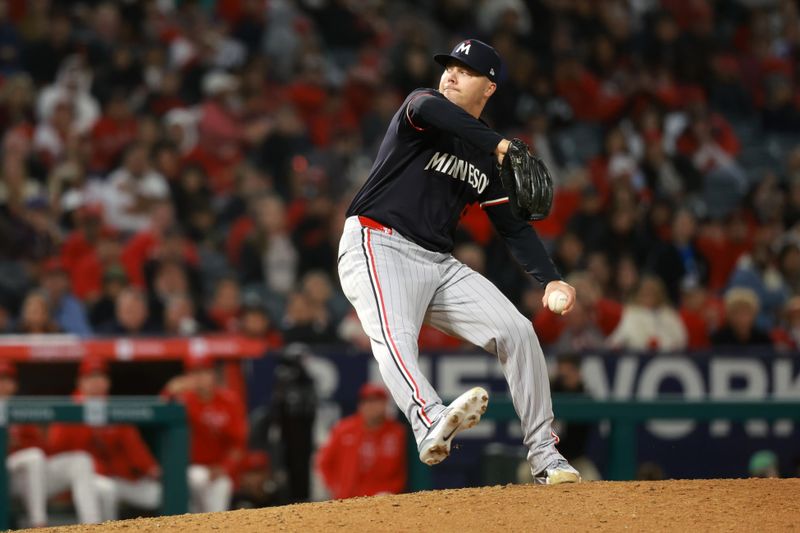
<point>366,452</point>
<point>75,247</point>
<point>708,140</point>
<point>20,436</point>
<point>87,278</point>
<point>722,247</point>
<point>720,130</point>
<point>117,450</point>
<point>115,130</point>
<point>586,95</point>
<point>220,129</point>
<point>87,272</point>
<point>82,241</point>
<point>696,330</point>
<point>217,418</point>
<point>158,238</point>
<point>702,314</point>
<point>218,426</point>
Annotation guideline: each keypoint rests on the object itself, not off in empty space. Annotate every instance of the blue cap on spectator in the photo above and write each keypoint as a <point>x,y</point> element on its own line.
<point>475,54</point>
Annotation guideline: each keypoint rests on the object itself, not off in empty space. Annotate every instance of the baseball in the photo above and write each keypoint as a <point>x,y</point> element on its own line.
<point>557,301</point>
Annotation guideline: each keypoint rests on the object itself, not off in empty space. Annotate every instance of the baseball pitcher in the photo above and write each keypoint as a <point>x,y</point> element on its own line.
<point>396,267</point>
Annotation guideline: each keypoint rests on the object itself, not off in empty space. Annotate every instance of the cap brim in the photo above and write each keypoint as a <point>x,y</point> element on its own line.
<point>442,59</point>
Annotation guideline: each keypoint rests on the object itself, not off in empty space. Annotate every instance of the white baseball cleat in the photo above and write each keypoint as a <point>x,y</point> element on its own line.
<point>560,472</point>
<point>464,413</point>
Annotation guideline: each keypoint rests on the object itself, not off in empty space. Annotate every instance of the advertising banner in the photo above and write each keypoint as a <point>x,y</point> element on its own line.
<point>682,448</point>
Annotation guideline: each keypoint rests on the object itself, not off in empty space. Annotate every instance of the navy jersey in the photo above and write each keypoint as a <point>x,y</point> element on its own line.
<point>424,175</point>
<point>435,160</point>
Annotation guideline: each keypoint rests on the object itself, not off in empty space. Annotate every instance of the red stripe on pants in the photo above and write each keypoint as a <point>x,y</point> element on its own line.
<point>386,325</point>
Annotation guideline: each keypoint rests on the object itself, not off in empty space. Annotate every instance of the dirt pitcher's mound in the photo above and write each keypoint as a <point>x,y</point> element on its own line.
<point>702,505</point>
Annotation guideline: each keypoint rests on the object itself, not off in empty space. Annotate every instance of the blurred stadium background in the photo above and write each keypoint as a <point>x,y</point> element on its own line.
<point>175,176</point>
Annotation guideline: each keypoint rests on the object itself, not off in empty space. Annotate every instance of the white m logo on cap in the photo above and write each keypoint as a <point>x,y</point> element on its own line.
<point>463,47</point>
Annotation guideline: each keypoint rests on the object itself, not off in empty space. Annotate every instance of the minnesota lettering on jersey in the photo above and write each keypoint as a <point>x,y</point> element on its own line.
<point>458,169</point>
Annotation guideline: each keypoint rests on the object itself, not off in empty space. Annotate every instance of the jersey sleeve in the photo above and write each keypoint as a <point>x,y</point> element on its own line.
<point>425,109</point>
<point>494,194</point>
<point>412,118</point>
<point>524,243</point>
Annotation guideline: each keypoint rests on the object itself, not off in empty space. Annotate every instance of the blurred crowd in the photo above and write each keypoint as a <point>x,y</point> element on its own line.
<point>170,168</point>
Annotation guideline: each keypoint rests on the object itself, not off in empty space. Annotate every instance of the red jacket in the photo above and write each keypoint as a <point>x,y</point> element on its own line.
<point>87,277</point>
<point>218,429</point>
<point>141,247</point>
<point>75,248</point>
<point>109,138</point>
<point>118,450</point>
<point>696,329</point>
<point>21,436</point>
<point>357,461</point>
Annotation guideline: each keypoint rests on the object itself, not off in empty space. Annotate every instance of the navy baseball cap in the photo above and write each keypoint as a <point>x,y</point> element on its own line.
<point>475,54</point>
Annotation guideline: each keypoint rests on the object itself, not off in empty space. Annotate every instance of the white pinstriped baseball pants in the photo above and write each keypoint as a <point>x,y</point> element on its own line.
<point>396,285</point>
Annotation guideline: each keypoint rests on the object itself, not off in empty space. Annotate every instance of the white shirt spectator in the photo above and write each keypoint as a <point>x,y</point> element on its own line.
<point>642,328</point>
<point>47,140</point>
<point>649,322</point>
<point>124,195</point>
<point>72,85</point>
<point>280,264</point>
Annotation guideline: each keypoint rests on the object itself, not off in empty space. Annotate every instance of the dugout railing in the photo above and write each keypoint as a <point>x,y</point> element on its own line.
<point>623,417</point>
<point>167,420</point>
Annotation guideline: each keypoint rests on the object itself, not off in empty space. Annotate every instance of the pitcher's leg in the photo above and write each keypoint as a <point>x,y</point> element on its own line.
<point>390,285</point>
<point>472,308</point>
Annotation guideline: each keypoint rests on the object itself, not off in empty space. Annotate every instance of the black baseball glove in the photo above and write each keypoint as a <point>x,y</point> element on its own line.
<point>527,181</point>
